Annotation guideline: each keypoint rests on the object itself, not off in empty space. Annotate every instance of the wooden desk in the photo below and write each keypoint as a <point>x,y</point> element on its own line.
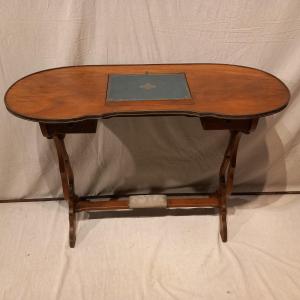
<point>70,100</point>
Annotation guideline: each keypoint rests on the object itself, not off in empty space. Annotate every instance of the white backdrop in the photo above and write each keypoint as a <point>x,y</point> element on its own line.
<point>161,257</point>
<point>149,154</point>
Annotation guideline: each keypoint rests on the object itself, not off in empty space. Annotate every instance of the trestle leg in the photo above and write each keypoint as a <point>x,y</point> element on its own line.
<point>67,180</point>
<point>226,176</point>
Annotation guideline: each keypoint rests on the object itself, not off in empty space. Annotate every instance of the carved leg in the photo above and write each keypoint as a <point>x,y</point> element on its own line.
<point>67,180</point>
<point>226,175</point>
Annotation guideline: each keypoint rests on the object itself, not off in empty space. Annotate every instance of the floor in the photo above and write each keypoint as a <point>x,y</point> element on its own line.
<point>176,254</point>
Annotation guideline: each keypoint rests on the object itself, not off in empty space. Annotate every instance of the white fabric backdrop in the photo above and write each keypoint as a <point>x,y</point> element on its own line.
<point>162,258</point>
<point>146,154</point>
<point>167,257</point>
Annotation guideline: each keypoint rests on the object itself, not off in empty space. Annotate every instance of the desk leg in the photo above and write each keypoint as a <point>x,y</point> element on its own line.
<point>226,175</point>
<point>67,180</point>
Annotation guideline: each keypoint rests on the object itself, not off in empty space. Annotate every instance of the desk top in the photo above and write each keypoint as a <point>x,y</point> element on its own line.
<point>80,92</point>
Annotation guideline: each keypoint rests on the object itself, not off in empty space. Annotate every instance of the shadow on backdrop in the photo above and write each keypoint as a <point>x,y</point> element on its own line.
<point>172,155</point>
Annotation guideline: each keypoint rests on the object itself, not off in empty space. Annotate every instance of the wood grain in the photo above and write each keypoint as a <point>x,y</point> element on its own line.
<point>78,93</point>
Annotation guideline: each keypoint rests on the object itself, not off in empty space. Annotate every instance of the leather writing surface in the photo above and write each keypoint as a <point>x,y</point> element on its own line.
<point>134,87</point>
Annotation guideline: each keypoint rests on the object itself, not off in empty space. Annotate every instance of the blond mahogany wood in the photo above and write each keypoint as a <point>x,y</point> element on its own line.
<point>79,93</point>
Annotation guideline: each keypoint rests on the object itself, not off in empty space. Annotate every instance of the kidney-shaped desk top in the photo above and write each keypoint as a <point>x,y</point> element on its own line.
<point>70,99</point>
<point>80,92</point>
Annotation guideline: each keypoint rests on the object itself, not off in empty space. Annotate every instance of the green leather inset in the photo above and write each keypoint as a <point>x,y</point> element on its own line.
<point>135,87</point>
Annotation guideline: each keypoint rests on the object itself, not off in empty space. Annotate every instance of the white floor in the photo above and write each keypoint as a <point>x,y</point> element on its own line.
<point>118,256</point>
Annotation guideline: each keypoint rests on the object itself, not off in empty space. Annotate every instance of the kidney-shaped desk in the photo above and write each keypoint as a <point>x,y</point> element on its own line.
<point>70,100</point>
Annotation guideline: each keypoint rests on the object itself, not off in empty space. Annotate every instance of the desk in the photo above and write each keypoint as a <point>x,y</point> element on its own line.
<point>69,100</point>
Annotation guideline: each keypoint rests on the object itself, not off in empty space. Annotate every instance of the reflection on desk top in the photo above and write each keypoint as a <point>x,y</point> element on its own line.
<point>80,92</point>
